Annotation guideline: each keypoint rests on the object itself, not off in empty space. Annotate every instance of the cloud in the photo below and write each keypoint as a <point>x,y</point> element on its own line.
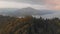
<point>5,4</point>
<point>50,4</point>
<point>9,4</point>
<point>53,4</point>
<point>27,1</point>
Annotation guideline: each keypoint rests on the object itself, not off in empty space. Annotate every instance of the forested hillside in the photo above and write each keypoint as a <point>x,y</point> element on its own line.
<point>29,25</point>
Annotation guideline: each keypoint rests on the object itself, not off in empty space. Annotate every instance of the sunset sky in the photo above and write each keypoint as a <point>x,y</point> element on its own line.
<point>37,4</point>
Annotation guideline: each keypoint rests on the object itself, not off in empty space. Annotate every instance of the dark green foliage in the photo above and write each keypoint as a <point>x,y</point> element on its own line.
<point>29,25</point>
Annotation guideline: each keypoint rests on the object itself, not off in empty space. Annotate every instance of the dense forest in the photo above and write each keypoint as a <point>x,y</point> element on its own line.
<point>29,25</point>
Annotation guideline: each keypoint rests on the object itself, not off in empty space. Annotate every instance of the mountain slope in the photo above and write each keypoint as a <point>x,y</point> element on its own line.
<point>29,25</point>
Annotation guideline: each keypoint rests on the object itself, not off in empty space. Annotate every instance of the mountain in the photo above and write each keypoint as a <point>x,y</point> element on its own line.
<point>23,11</point>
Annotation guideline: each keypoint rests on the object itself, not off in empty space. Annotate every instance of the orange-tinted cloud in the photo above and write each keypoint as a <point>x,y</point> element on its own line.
<point>53,4</point>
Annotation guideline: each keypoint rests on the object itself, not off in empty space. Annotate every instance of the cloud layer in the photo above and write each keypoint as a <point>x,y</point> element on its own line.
<point>53,4</point>
<point>50,4</point>
<point>11,4</point>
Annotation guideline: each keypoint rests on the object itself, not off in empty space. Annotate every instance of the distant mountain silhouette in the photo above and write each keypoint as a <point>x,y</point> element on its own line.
<point>23,11</point>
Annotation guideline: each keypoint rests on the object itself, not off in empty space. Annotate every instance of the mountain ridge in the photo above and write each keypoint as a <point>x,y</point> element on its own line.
<point>23,11</point>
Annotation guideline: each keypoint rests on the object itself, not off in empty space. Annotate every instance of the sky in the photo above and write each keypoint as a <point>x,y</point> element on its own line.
<point>37,4</point>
